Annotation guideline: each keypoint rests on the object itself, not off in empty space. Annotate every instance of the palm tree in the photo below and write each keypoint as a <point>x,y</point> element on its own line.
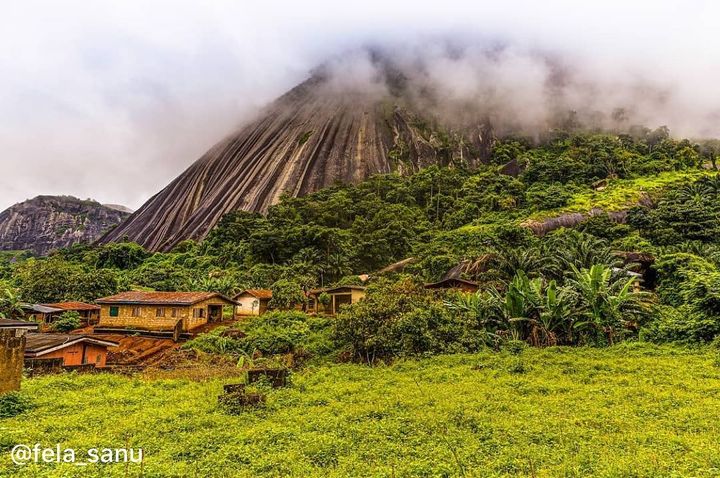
<point>546,309</point>
<point>477,308</point>
<point>579,250</point>
<point>607,301</point>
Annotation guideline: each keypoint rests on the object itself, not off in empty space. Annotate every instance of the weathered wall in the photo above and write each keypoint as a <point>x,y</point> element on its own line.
<point>12,351</point>
<point>250,305</point>
<point>80,354</point>
<point>148,319</point>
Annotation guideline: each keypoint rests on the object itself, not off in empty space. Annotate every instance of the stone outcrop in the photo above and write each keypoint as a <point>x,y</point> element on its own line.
<point>52,222</point>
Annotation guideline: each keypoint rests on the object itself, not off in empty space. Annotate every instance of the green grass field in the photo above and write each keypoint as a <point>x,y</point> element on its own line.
<point>632,410</point>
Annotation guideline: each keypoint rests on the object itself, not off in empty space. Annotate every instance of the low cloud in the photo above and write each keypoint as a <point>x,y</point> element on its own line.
<point>112,100</point>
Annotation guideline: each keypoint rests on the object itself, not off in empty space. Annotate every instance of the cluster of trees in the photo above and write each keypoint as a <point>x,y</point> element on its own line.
<point>596,306</point>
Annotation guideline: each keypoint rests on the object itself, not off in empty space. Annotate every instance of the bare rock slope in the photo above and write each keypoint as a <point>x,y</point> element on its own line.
<point>52,222</point>
<point>312,137</point>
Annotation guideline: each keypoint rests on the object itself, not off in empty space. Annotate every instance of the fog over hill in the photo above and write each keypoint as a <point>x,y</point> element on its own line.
<point>102,103</point>
<point>383,109</point>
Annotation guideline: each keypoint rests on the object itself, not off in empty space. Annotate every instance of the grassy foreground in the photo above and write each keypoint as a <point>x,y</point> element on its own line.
<point>630,410</point>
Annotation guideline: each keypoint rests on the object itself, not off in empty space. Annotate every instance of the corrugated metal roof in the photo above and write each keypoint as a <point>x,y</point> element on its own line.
<point>73,306</point>
<point>161,298</point>
<point>257,293</point>
<point>42,309</point>
<point>17,324</point>
<point>330,290</point>
<point>36,343</point>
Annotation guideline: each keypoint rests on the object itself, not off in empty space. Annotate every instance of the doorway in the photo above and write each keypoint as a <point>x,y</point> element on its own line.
<point>215,313</point>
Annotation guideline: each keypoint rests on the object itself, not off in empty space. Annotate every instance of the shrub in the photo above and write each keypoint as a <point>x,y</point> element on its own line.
<point>13,404</point>
<point>402,318</point>
<point>67,321</point>
<point>682,324</point>
<point>286,295</point>
<point>674,271</point>
<point>215,342</point>
<point>280,332</point>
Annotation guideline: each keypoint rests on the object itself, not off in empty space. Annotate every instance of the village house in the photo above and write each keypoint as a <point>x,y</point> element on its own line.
<point>89,313</point>
<point>454,283</point>
<point>12,348</point>
<point>339,296</point>
<point>174,312</point>
<point>72,350</point>
<point>253,301</point>
<point>46,314</point>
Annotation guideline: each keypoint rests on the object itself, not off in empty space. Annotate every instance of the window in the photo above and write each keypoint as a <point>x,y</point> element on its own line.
<point>135,312</point>
<point>199,313</point>
<point>114,311</point>
<point>173,312</point>
<point>160,312</point>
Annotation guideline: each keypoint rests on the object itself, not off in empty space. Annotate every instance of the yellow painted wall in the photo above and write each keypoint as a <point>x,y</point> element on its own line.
<point>148,320</point>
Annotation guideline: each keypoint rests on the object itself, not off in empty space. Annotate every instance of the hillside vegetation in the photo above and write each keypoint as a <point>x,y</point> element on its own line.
<point>639,195</point>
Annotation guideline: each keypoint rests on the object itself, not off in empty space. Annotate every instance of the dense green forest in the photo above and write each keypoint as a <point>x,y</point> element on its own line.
<point>643,194</point>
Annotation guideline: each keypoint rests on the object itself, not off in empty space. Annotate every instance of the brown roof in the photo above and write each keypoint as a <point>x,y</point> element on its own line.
<point>73,306</point>
<point>451,283</point>
<point>39,343</point>
<point>257,293</point>
<point>330,290</point>
<point>162,298</point>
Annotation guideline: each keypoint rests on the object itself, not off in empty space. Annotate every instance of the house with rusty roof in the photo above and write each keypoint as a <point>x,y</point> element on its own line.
<point>90,313</point>
<point>252,301</point>
<point>173,312</point>
<point>46,314</point>
<point>68,350</point>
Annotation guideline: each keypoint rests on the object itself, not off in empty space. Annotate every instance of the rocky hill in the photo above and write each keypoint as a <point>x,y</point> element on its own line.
<point>318,134</point>
<point>50,222</point>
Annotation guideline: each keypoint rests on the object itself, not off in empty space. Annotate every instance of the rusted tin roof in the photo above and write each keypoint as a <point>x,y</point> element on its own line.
<point>38,344</point>
<point>162,298</point>
<point>452,283</point>
<point>73,306</point>
<point>17,324</point>
<point>331,290</point>
<point>257,293</point>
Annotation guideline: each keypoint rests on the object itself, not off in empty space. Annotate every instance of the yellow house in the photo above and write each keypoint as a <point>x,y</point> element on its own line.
<point>163,311</point>
<point>339,296</point>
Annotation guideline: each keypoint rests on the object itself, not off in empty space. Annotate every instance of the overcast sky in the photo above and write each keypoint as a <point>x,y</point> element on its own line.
<point>112,100</point>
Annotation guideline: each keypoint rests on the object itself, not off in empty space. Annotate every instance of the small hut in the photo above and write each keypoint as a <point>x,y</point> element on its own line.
<point>252,301</point>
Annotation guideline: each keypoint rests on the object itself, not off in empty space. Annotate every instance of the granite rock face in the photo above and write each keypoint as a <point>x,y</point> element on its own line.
<point>312,137</point>
<point>52,222</point>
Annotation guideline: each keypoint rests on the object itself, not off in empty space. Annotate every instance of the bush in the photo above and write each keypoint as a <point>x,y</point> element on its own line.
<point>400,319</point>
<point>272,333</point>
<point>67,321</point>
<point>682,324</point>
<point>13,404</point>
<point>674,271</point>
<point>215,342</point>
<point>285,332</point>
<point>286,295</point>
